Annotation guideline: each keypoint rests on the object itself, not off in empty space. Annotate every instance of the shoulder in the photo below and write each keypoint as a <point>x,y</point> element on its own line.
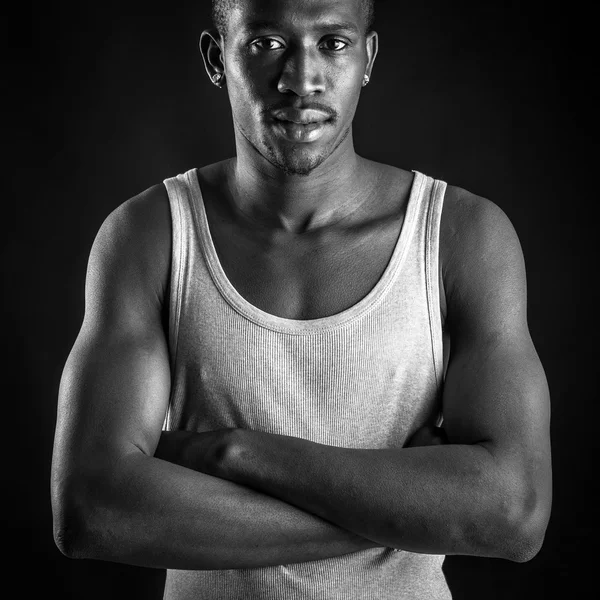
<point>474,227</point>
<point>141,223</point>
<point>133,244</point>
<point>480,253</point>
<point>142,215</point>
<point>469,219</point>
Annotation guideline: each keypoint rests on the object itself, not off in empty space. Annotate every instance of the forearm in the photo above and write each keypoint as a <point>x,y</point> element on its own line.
<point>445,499</point>
<point>156,514</point>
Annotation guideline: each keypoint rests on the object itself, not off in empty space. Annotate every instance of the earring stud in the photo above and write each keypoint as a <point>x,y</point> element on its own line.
<point>216,78</point>
<point>366,80</point>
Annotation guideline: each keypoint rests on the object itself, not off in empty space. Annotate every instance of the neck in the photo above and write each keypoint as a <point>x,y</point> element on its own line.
<point>269,197</point>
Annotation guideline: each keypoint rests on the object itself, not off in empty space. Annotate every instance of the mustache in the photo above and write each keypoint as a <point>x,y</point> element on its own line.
<point>332,114</point>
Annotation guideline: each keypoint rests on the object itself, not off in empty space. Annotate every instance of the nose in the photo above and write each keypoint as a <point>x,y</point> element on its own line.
<point>302,73</point>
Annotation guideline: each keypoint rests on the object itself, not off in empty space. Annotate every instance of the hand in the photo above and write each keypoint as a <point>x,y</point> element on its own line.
<point>428,435</point>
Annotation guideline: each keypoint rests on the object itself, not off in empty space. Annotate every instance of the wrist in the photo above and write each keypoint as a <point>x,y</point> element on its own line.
<point>232,454</point>
<point>213,452</point>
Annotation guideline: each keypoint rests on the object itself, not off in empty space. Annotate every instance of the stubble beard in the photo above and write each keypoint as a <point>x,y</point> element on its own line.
<point>297,160</point>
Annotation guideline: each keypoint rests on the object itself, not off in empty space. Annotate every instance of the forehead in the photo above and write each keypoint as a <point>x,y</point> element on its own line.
<point>305,14</point>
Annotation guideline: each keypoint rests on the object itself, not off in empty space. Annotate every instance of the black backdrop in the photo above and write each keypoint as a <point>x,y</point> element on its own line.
<point>102,103</point>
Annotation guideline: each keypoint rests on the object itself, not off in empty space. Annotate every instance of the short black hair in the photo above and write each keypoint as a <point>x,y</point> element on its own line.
<point>222,8</point>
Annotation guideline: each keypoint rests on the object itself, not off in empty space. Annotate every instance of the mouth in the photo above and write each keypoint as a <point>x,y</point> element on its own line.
<point>301,122</point>
<point>304,132</point>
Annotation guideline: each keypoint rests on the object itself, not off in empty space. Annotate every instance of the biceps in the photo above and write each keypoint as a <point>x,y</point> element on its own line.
<point>496,395</point>
<point>113,397</point>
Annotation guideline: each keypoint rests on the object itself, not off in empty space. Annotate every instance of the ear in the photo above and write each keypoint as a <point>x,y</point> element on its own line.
<point>211,48</point>
<point>372,41</point>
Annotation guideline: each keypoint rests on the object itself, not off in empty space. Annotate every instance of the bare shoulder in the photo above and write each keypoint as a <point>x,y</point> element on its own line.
<point>468,219</point>
<point>481,257</point>
<point>474,227</point>
<point>131,253</point>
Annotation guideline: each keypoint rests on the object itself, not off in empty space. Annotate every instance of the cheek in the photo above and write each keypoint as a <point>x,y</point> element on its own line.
<point>247,75</point>
<point>352,80</point>
<point>348,94</point>
<point>344,83</point>
<point>246,90</point>
<point>243,99</point>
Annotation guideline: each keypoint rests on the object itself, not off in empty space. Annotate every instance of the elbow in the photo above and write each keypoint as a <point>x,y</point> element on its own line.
<point>527,539</point>
<point>92,513</point>
<point>76,521</point>
<point>526,532</point>
<point>65,513</point>
<point>513,526</point>
<point>66,541</point>
<point>72,528</point>
<point>84,533</point>
<point>69,528</point>
<point>523,546</point>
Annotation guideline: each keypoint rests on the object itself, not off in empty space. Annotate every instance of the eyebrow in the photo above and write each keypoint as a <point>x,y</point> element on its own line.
<point>347,26</point>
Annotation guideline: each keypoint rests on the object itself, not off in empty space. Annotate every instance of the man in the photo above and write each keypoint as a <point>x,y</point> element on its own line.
<point>301,320</point>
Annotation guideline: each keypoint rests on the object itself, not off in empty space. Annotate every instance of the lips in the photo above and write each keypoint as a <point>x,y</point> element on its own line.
<point>300,132</point>
<point>300,116</point>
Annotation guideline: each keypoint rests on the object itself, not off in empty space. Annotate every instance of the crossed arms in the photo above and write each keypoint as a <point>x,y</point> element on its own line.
<point>239,498</point>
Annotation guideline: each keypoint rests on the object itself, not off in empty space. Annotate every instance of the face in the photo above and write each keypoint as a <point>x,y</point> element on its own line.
<point>294,71</point>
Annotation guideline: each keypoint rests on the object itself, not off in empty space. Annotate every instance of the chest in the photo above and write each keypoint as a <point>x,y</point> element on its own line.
<point>306,276</point>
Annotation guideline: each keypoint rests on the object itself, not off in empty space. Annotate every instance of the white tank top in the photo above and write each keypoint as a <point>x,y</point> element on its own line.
<point>367,377</point>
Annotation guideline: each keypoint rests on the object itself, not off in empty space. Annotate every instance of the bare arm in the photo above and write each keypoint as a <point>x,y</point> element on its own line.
<point>111,498</point>
<point>487,492</point>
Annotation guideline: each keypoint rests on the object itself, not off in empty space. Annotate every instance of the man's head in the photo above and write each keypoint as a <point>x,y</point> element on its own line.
<point>287,63</point>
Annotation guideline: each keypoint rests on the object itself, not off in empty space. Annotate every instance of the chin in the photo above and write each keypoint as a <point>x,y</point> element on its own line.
<point>294,159</point>
<point>293,165</point>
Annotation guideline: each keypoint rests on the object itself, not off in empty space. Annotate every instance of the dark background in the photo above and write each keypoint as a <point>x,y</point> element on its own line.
<point>102,103</point>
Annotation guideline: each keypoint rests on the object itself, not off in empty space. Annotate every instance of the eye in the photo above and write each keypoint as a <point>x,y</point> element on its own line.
<point>267,44</point>
<point>338,42</point>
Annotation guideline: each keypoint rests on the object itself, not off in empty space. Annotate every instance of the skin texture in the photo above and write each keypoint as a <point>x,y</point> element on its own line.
<point>121,491</point>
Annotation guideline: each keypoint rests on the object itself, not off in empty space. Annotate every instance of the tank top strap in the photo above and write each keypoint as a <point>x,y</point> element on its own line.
<point>425,258</point>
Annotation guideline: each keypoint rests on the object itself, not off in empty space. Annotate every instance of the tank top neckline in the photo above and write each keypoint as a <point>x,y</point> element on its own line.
<point>304,326</point>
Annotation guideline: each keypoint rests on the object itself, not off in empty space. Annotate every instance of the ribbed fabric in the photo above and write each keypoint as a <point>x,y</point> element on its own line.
<point>367,377</point>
